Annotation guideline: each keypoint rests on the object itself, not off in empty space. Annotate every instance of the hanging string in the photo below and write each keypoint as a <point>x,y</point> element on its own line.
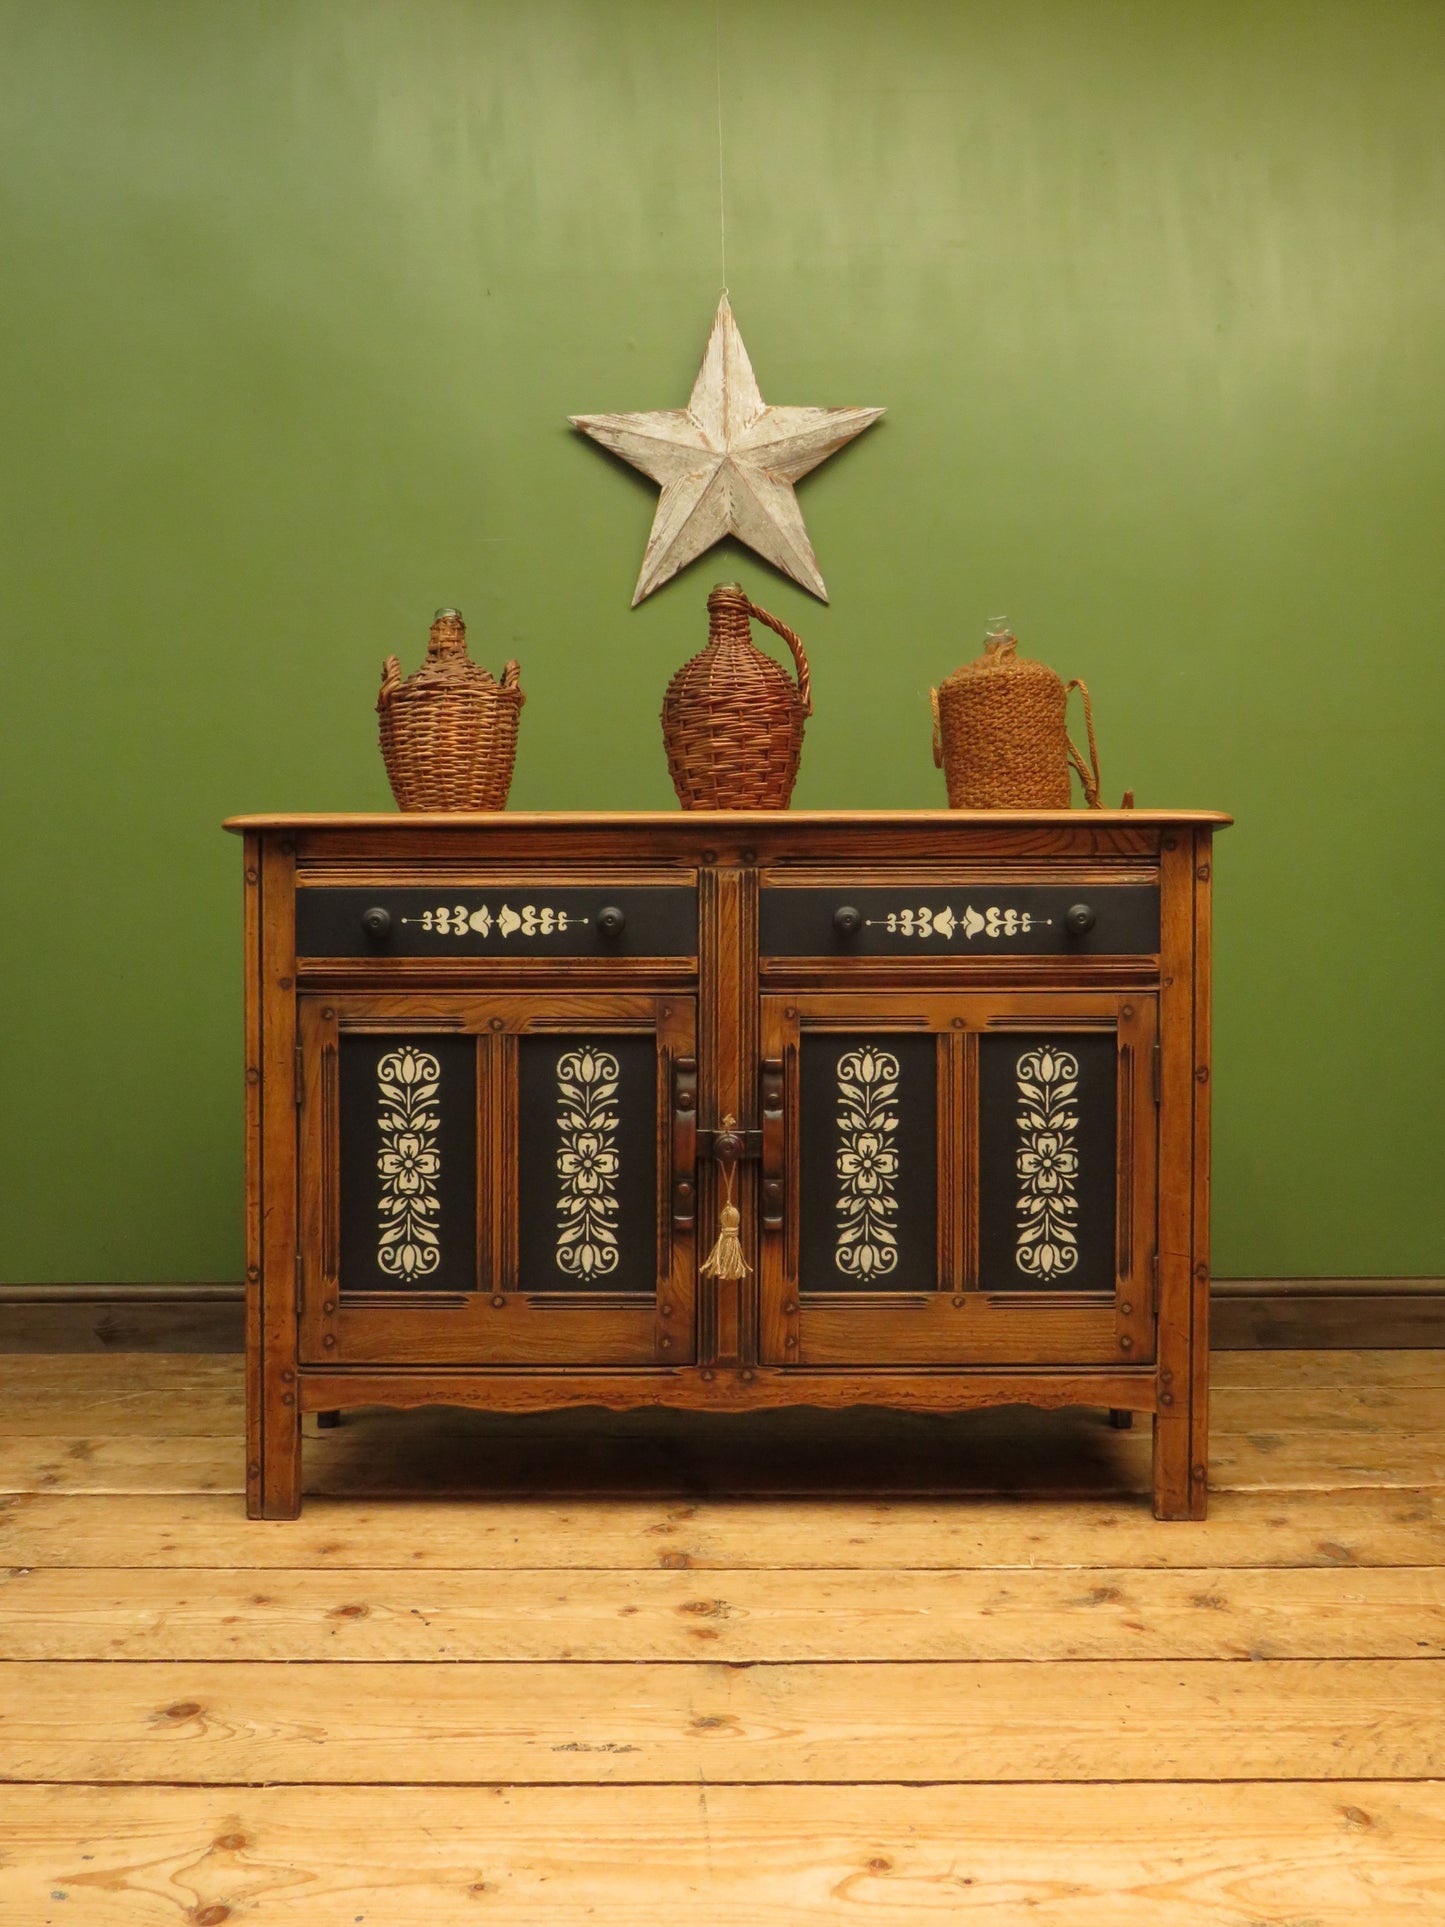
<point>722,212</point>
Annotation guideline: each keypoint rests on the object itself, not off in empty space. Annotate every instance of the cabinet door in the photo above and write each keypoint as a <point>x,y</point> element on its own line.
<point>960,1178</point>
<point>489,1179</point>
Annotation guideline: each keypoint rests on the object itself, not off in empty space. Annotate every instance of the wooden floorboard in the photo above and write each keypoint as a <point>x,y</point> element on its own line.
<point>1052,1453</point>
<point>748,1615</point>
<point>1266,1530</point>
<point>246,1723</point>
<point>1189,1855</point>
<point>791,1668</point>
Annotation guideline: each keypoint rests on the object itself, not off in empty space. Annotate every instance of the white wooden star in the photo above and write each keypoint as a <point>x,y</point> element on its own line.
<point>727,464</point>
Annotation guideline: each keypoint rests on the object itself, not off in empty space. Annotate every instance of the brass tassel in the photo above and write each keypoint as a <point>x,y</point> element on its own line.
<point>726,1259</point>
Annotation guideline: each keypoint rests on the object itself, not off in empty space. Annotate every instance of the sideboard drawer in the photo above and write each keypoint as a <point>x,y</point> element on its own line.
<point>496,920</point>
<point>1085,919</point>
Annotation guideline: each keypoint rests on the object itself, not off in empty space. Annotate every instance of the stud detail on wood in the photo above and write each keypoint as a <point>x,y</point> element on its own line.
<point>867,1163</point>
<point>409,1163</point>
<point>1048,1163</point>
<point>587,1163</point>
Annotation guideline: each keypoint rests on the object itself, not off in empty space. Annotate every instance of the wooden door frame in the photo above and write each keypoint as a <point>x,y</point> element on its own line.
<point>958,1323</point>
<point>501,1323</point>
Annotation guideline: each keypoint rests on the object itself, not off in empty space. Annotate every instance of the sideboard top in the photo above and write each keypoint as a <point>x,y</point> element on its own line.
<point>672,819</point>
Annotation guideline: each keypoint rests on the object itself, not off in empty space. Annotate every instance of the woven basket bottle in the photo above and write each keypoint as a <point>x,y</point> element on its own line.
<point>449,732</point>
<point>1000,733</point>
<point>732,720</point>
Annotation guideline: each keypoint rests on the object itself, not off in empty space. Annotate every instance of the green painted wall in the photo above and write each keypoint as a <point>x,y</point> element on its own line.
<point>295,296</point>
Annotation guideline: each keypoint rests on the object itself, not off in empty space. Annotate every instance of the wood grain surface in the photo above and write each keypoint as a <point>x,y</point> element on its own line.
<point>1268,1531</point>
<point>1006,1450</point>
<point>623,1667</point>
<point>792,1615</point>
<point>1189,1855</point>
<point>526,1723</point>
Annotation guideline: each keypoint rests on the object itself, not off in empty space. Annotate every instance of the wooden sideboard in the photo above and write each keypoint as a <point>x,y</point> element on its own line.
<point>502,1073</point>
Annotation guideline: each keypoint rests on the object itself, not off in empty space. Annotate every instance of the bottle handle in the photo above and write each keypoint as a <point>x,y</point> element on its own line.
<point>1090,781</point>
<point>800,655</point>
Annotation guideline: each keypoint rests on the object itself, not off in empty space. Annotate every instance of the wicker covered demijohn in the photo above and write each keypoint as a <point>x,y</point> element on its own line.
<point>732,720</point>
<point>449,732</point>
<point>1000,733</point>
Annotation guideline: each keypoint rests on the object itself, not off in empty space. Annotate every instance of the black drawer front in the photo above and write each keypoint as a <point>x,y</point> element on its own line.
<point>1027,920</point>
<point>531,920</point>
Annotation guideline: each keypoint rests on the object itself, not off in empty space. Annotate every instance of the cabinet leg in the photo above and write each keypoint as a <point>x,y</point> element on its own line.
<point>325,1420</point>
<point>1176,1494</point>
<point>281,1464</point>
<point>1121,1421</point>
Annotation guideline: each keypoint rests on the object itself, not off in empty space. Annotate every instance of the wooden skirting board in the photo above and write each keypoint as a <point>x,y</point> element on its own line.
<point>122,1318</point>
<point>1381,1314</point>
<point>1247,1314</point>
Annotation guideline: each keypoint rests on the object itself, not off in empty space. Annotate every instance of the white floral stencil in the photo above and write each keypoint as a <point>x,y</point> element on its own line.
<point>409,1163</point>
<point>587,1163</point>
<point>867,1163</point>
<point>1048,1163</point>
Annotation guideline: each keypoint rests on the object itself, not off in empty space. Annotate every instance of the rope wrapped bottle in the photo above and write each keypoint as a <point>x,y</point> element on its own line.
<point>1000,732</point>
<point>732,719</point>
<point>449,732</point>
